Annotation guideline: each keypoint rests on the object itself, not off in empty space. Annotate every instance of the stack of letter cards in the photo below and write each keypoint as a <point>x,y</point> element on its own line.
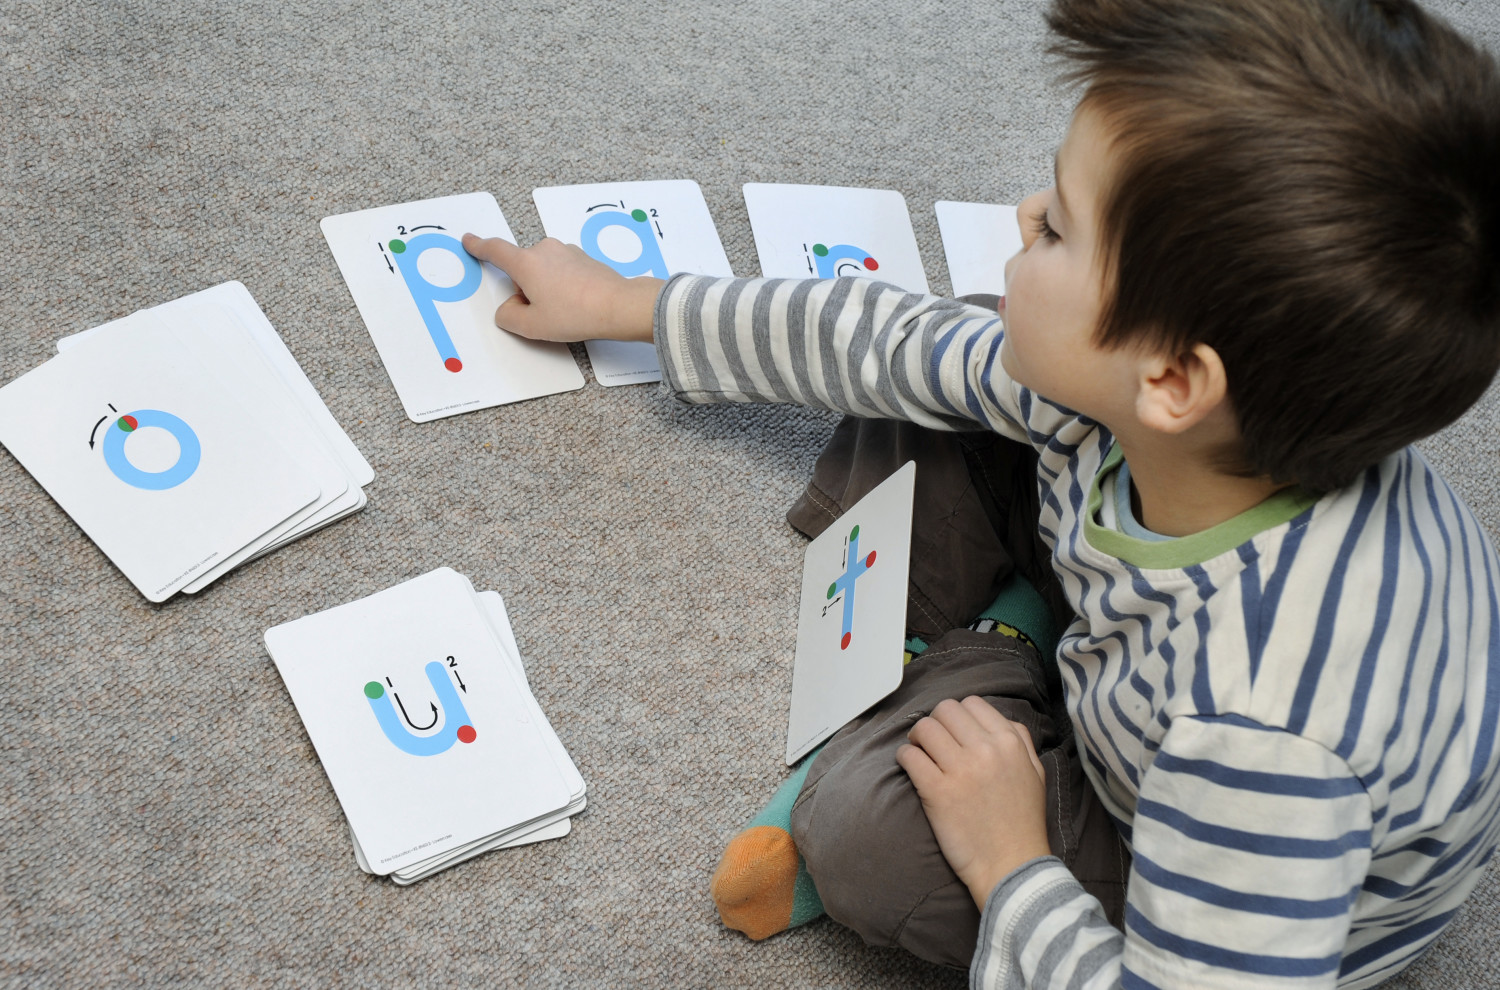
<point>832,232</point>
<point>978,239</point>
<point>418,706</point>
<point>636,228</point>
<point>184,440</point>
<point>851,626</point>
<point>430,307</point>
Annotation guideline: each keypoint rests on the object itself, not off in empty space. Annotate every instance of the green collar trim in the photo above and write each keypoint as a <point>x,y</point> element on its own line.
<point>1185,551</point>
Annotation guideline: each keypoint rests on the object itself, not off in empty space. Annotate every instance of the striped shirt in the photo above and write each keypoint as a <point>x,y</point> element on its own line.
<point>1291,717</point>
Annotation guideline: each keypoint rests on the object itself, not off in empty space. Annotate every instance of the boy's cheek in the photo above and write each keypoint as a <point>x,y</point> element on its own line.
<point>1008,358</point>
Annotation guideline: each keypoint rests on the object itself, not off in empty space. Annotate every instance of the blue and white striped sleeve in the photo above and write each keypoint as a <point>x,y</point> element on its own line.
<point>849,344</point>
<point>1250,847</point>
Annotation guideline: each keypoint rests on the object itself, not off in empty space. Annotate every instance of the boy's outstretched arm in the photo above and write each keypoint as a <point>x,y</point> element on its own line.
<point>850,344</point>
<point>565,295</point>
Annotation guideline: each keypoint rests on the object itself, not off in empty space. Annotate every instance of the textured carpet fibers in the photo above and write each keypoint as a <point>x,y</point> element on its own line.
<point>165,820</point>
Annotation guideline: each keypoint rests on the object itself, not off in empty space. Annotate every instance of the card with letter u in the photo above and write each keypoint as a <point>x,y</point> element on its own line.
<point>637,228</point>
<point>430,307</point>
<point>424,735</point>
<point>851,627</point>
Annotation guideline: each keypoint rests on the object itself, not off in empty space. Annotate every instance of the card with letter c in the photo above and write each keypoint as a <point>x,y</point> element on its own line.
<point>834,232</point>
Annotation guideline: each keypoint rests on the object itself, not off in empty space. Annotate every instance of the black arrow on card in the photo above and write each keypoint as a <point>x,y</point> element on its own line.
<point>386,257</point>
<point>409,722</point>
<point>429,226</point>
<point>460,682</point>
<point>96,430</point>
<point>658,231</point>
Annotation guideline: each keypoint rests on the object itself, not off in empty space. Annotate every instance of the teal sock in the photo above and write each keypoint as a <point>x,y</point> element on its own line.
<point>1018,610</point>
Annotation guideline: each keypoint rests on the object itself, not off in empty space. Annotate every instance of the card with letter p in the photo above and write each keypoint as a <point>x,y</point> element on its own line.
<point>851,627</point>
<point>430,307</point>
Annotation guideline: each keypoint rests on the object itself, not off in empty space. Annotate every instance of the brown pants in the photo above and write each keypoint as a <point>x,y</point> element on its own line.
<point>858,822</point>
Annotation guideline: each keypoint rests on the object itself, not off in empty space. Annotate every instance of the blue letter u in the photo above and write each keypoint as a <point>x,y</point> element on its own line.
<point>454,716</point>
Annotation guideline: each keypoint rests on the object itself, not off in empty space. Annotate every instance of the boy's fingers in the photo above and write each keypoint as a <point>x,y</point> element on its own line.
<point>514,315</point>
<point>959,720</point>
<point>496,250</point>
<point>918,766</point>
<point>985,714</point>
<point>935,739</point>
<point>1025,736</point>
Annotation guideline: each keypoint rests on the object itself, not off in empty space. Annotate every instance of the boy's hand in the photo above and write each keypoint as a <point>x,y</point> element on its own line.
<point>566,295</point>
<point>983,789</point>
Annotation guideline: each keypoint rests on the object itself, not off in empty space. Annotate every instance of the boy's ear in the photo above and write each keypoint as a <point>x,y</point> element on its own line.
<point>1178,393</point>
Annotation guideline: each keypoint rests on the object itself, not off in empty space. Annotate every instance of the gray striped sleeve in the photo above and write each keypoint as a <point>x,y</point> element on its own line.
<point>852,345</point>
<point>1042,913</point>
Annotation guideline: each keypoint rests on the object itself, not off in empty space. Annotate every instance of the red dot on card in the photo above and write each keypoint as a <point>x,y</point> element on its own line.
<point>871,265</point>
<point>466,733</point>
<point>844,643</point>
<point>453,364</point>
<point>870,560</point>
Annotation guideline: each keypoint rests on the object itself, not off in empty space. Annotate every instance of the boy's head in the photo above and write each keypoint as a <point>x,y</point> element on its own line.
<point>1312,189</point>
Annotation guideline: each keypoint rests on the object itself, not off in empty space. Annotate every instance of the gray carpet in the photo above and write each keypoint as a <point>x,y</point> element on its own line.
<point>166,821</point>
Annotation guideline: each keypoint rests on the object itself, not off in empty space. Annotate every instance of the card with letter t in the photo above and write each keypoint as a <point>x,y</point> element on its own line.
<point>430,307</point>
<point>637,228</point>
<point>851,628</point>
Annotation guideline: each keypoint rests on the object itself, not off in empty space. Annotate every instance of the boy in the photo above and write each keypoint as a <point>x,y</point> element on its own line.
<point>1270,263</point>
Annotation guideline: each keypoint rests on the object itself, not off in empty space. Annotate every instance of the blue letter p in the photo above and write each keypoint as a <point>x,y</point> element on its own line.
<point>425,294</point>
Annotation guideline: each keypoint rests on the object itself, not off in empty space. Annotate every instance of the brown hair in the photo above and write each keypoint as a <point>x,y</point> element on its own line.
<point>1312,188</point>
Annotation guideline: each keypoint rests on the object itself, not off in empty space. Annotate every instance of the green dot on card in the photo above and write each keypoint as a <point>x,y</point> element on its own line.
<point>373,690</point>
<point>821,250</point>
<point>854,533</point>
<point>639,216</point>
<point>397,246</point>
<point>833,588</point>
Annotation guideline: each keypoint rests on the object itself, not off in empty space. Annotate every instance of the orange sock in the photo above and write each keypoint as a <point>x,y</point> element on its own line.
<point>761,886</point>
<point>755,881</point>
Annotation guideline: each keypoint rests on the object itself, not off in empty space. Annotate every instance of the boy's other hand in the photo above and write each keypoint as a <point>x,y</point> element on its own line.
<point>983,789</point>
<point>565,295</point>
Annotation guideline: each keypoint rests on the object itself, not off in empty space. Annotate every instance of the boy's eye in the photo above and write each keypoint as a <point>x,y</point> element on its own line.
<point>1042,228</point>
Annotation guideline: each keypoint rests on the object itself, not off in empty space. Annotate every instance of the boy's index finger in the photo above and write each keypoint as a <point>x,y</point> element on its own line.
<point>496,250</point>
